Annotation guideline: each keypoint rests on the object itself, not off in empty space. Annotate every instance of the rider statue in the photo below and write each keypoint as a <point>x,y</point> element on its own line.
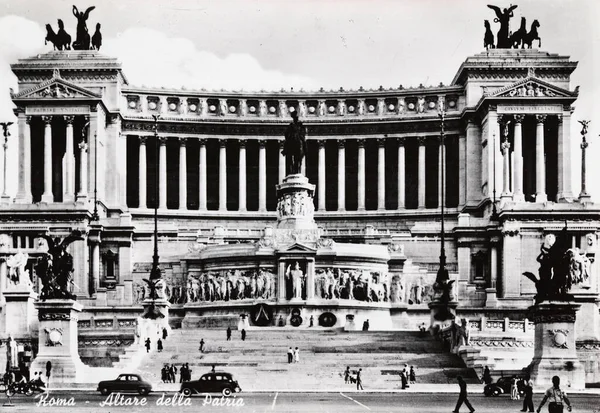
<point>294,146</point>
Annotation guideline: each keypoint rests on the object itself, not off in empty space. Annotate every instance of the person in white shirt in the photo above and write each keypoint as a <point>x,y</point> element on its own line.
<point>557,398</point>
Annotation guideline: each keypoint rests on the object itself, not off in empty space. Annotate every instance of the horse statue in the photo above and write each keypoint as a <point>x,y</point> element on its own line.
<point>532,35</point>
<point>503,17</point>
<point>517,38</point>
<point>488,37</point>
<point>294,146</point>
<point>60,40</point>
<point>97,38</point>
<point>82,41</point>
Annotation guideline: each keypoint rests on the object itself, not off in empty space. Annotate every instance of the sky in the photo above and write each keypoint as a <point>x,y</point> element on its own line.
<point>272,44</point>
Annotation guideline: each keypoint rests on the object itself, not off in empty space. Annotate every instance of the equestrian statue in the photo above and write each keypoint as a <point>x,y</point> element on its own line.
<point>294,146</point>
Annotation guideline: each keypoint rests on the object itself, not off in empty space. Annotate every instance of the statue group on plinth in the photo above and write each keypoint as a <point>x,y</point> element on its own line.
<point>61,40</point>
<point>507,39</point>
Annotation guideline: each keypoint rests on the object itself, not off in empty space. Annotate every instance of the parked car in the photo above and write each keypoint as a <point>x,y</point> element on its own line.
<point>125,383</point>
<point>502,386</point>
<point>213,382</point>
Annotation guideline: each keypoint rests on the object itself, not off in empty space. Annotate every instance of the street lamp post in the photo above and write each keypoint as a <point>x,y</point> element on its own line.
<point>583,195</point>
<point>6,134</point>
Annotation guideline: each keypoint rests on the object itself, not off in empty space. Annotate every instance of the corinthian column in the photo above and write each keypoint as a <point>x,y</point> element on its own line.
<point>321,178</point>
<point>182,174</point>
<point>518,160</point>
<point>83,191</point>
<point>69,163</point>
<point>222,175</point>
<point>540,164</point>
<point>143,171</point>
<point>401,174</point>
<point>262,175</point>
<point>361,174</point>
<point>281,161</point>
<point>421,176</point>
<point>506,169</point>
<point>162,172</point>
<point>381,175</point>
<point>341,175</point>
<point>242,176</point>
<point>24,190</point>
<point>47,196</point>
<point>202,175</point>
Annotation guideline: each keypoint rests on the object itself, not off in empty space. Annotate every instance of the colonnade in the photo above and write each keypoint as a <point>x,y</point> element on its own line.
<point>322,194</point>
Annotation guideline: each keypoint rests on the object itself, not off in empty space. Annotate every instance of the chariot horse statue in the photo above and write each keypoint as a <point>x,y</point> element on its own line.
<point>82,41</point>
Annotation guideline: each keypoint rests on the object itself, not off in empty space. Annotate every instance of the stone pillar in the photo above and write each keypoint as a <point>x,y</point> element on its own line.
<point>421,177</point>
<point>321,179</point>
<point>23,195</point>
<point>494,138</point>
<point>47,196</point>
<point>281,293</point>
<point>222,175</point>
<point>162,172</point>
<point>491,296</point>
<point>401,173</point>
<point>381,174</point>
<point>143,173</point>
<point>95,264</point>
<point>565,191</point>
<point>361,174</point>
<point>310,279</point>
<point>69,163</point>
<point>202,175</point>
<point>511,262</point>
<point>341,175</point>
<point>242,176</point>
<point>182,174</point>
<point>262,175</point>
<point>83,170</point>
<point>506,194</point>
<point>462,169</point>
<point>540,160</point>
<point>518,195</point>
<point>281,157</point>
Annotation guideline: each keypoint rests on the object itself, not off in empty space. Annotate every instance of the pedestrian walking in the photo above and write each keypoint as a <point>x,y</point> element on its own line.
<point>290,355</point>
<point>366,325</point>
<point>228,333</point>
<point>462,397</point>
<point>182,373</point>
<point>359,380</point>
<point>487,376</point>
<point>312,321</point>
<point>347,375</point>
<point>165,333</point>
<point>243,334</point>
<point>557,398</point>
<point>172,373</point>
<point>201,345</point>
<point>404,377</point>
<point>296,355</point>
<point>164,374</point>
<point>412,377</point>
<point>528,398</point>
<point>514,388</point>
<point>159,345</point>
<point>148,345</point>
<point>188,372</point>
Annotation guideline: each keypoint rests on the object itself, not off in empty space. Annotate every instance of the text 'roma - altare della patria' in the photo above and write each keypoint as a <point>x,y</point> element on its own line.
<point>299,209</point>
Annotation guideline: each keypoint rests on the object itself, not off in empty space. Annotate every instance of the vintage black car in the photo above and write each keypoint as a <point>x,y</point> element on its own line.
<point>502,386</point>
<point>125,383</point>
<point>214,382</point>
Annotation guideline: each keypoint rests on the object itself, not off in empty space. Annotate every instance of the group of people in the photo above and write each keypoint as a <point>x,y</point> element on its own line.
<point>293,355</point>
<point>167,373</point>
<point>353,377</point>
<point>159,341</point>
<point>37,381</point>
<point>242,332</point>
<point>408,376</point>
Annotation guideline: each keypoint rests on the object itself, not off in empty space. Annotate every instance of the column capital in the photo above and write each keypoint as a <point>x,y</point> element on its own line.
<point>540,118</point>
<point>142,139</point>
<point>281,142</point>
<point>501,119</point>
<point>222,143</point>
<point>422,140</point>
<point>321,143</point>
<point>242,142</point>
<point>182,140</point>
<point>519,118</point>
<point>162,140</point>
<point>83,146</point>
<point>505,146</point>
<point>559,118</point>
<point>361,142</point>
<point>263,142</point>
<point>202,141</point>
<point>381,141</point>
<point>341,143</point>
<point>69,119</point>
<point>47,119</point>
<point>28,119</point>
<point>401,141</point>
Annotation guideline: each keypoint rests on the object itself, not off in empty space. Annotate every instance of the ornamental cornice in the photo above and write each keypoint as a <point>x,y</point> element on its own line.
<point>543,317</point>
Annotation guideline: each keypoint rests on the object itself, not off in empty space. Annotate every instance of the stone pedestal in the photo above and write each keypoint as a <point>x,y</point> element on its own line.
<point>152,328</point>
<point>555,352</point>
<point>441,313</point>
<point>20,318</point>
<point>295,205</point>
<point>57,341</point>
